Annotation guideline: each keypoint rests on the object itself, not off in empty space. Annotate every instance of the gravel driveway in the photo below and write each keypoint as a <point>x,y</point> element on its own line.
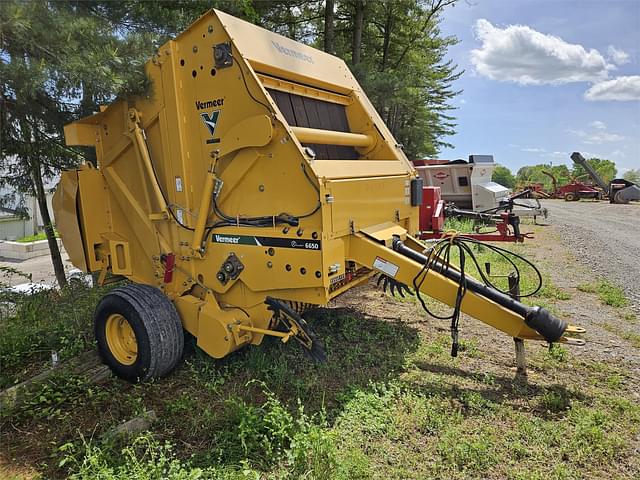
<point>604,237</point>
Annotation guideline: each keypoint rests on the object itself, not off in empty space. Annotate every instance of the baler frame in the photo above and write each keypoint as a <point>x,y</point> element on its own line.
<point>280,192</point>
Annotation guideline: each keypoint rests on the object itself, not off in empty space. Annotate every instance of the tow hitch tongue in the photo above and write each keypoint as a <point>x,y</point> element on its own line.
<point>549,327</point>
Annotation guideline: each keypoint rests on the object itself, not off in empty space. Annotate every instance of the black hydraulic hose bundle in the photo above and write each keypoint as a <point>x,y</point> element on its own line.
<point>438,260</point>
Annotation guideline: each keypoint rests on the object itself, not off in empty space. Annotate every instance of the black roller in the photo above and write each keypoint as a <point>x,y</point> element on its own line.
<point>541,320</point>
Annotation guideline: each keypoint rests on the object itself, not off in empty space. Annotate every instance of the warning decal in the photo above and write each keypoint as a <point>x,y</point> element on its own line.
<point>385,267</point>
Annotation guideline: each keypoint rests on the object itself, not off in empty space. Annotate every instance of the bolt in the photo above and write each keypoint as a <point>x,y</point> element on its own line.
<point>269,264</point>
<point>220,276</point>
<point>195,49</point>
<point>228,267</point>
<point>261,188</point>
<point>314,235</point>
<point>303,271</point>
<point>271,252</point>
<point>210,29</point>
<point>300,232</point>
<point>318,274</point>
<point>285,230</point>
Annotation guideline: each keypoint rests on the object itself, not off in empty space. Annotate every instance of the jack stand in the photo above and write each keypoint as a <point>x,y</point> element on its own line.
<point>521,361</point>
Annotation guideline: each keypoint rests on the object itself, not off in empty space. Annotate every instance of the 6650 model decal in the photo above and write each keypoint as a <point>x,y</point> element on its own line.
<point>301,244</point>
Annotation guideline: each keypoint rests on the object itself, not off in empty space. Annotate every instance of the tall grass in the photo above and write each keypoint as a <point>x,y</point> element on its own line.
<point>32,325</point>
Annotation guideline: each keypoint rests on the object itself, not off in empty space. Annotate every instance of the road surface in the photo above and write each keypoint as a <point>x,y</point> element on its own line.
<point>603,237</point>
<point>40,268</point>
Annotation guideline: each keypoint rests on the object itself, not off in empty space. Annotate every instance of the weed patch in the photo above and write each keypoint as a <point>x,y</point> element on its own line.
<point>34,325</point>
<point>608,293</point>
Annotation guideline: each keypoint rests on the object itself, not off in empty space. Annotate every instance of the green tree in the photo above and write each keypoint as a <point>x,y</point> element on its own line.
<point>632,175</point>
<point>398,54</point>
<point>57,61</point>
<point>503,176</point>
<point>535,174</point>
<point>606,169</point>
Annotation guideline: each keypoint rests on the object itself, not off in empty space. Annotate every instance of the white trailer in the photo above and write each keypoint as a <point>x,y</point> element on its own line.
<point>468,185</point>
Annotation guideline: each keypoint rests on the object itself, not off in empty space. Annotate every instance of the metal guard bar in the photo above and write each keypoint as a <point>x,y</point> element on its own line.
<point>332,137</point>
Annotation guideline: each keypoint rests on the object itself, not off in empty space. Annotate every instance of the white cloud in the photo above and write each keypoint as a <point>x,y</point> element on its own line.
<point>534,150</point>
<point>597,137</point>
<point>610,155</point>
<point>520,54</point>
<point>598,125</point>
<point>622,89</point>
<point>618,57</point>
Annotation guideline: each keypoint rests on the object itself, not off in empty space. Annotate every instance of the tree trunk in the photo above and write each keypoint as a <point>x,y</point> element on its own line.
<point>328,25</point>
<point>388,25</point>
<point>358,25</point>
<point>41,197</point>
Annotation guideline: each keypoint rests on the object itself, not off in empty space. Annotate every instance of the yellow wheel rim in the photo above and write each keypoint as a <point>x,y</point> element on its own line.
<point>121,339</point>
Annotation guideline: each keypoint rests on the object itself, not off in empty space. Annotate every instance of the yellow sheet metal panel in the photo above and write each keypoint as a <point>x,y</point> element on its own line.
<point>188,307</point>
<point>303,90</point>
<point>81,134</point>
<point>343,169</point>
<point>361,203</point>
<point>67,220</point>
<point>95,214</point>
<point>273,53</point>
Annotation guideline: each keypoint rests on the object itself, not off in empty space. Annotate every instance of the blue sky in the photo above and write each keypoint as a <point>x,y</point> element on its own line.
<point>546,78</point>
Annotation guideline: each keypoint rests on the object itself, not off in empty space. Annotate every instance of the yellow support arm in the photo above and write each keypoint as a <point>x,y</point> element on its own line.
<point>377,256</point>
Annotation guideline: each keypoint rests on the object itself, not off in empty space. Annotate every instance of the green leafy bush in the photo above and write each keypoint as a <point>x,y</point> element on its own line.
<point>33,325</point>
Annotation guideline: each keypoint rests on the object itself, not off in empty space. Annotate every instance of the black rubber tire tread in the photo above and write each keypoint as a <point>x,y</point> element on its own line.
<point>156,324</point>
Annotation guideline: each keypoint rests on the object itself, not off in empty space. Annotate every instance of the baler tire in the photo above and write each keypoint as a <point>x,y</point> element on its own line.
<point>157,327</point>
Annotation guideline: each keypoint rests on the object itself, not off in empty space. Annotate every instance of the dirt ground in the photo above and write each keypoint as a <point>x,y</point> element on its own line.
<point>604,238</point>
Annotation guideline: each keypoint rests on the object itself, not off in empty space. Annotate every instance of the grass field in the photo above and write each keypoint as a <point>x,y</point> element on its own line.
<point>390,403</point>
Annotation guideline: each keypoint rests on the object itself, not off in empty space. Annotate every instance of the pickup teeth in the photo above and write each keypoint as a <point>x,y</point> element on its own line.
<point>574,329</point>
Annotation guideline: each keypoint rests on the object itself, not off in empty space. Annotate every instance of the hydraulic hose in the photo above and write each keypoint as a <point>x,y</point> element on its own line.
<point>537,318</point>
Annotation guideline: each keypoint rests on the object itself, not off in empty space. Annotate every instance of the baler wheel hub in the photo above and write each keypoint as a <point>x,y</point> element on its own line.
<point>121,339</point>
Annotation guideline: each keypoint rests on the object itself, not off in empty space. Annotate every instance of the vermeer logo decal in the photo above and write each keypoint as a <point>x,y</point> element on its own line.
<point>218,102</point>
<point>299,244</point>
<point>225,239</point>
<point>292,53</point>
<point>211,121</point>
